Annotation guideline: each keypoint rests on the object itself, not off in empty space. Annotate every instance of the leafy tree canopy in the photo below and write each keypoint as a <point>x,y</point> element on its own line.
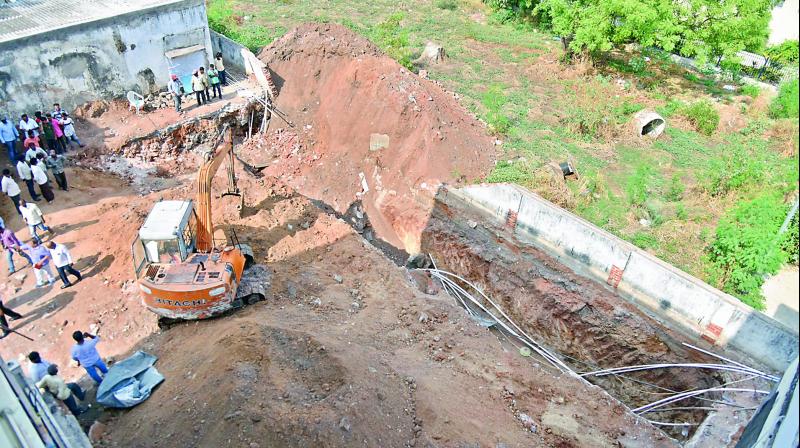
<point>701,28</point>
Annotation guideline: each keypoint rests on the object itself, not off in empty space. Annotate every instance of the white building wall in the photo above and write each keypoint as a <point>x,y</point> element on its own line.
<point>100,59</point>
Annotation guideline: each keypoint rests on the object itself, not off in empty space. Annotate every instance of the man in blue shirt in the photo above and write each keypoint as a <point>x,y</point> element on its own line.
<point>9,136</point>
<point>86,354</point>
<point>38,366</point>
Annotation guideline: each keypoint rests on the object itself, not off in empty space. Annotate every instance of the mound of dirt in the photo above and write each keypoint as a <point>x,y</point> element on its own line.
<point>366,129</point>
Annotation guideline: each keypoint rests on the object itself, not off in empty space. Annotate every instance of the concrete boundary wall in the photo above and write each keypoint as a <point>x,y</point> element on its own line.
<point>657,288</point>
<point>231,51</point>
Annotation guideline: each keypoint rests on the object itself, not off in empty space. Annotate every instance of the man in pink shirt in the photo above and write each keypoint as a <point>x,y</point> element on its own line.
<point>62,141</point>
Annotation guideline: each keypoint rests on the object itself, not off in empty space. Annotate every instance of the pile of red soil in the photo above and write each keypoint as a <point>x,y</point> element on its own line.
<point>341,92</point>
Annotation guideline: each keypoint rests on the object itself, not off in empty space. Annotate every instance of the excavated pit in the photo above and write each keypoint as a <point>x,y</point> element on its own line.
<point>586,323</point>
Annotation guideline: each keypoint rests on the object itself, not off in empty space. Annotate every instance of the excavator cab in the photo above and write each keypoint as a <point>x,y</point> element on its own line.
<point>168,235</point>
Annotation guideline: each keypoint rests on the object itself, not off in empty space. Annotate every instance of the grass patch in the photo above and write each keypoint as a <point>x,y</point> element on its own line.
<point>494,100</point>
<point>703,115</point>
<point>751,90</point>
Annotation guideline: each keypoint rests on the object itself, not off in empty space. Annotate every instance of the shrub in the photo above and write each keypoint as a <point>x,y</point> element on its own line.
<point>494,100</point>
<point>703,116</point>
<point>511,172</point>
<point>393,39</point>
<point>637,184</point>
<point>786,53</point>
<point>790,243</point>
<point>676,188</point>
<point>785,105</point>
<point>734,170</point>
<point>644,240</point>
<point>450,5</point>
<point>747,247</point>
<point>751,90</point>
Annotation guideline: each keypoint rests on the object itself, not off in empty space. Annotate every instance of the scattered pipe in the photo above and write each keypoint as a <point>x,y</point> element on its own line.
<point>685,395</point>
<point>724,367</point>
<point>722,358</point>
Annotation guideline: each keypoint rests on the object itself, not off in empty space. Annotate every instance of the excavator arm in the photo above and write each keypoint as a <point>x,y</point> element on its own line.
<point>205,176</point>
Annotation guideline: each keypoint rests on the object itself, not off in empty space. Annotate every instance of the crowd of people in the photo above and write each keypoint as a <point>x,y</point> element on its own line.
<point>44,138</point>
<point>37,146</point>
<point>45,374</point>
<point>204,84</point>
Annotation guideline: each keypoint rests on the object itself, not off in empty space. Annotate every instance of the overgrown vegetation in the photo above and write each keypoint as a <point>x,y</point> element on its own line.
<point>221,18</point>
<point>677,197</point>
<point>703,115</point>
<point>785,105</point>
<point>393,39</point>
<point>748,247</point>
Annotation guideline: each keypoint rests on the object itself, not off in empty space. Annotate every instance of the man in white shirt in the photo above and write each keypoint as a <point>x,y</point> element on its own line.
<point>40,177</point>
<point>11,188</point>
<point>33,216</point>
<point>63,261</point>
<point>24,172</point>
<point>33,152</point>
<point>68,125</point>
<point>27,124</point>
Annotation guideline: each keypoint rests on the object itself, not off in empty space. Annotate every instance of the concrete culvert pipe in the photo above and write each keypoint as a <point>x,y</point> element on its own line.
<point>648,123</point>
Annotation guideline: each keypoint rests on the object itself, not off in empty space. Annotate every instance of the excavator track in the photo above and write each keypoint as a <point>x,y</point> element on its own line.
<point>253,288</point>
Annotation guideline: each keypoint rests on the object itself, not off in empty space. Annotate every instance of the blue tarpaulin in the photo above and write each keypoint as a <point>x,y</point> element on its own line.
<point>129,382</point>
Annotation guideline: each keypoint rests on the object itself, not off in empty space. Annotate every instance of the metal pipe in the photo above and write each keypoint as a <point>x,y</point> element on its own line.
<point>685,395</point>
<point>637,368</point>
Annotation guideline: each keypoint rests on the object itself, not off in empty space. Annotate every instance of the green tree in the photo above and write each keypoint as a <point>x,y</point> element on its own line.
<point>701,28</point>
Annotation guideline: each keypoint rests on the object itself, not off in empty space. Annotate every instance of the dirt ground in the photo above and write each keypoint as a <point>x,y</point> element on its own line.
<point>343,97</point>
<point>346,351</point>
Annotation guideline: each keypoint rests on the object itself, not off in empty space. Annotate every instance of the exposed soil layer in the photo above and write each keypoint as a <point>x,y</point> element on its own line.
<point>586,322</point>
<point>347,353</point>
<point>366,129</point>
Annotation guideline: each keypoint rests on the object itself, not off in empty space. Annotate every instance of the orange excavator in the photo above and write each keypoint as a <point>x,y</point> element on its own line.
<point>182,273</point>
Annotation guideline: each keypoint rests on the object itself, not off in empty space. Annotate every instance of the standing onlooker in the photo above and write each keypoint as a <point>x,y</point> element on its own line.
<point>175,87</point>
<point>11,189</point>
<point>40,177</point>
<point>199,88</point>
<point>55,385</point>
<point>56,165</point>
<point>57,111</point>
<point>13,315</point>
<point>213,77</point>
<point>63,262</point>
<point>41,263</point>
<point>50,135</point>
<point>24,172</point>
<point>9,136</point>
<point>31,140</point>
<point>69,131</point>
<point>85,352</point>
<point>28,125</point>
<point>33,151</point>
<point>206,84</point>
<point>12,244</point>
<point>223,75</point>
<point>38,366</point>
<point>61,141</point>
<point>34,218</point>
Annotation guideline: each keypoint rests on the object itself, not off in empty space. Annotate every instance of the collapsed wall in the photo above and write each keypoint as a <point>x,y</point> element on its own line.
<point>589,325</point>
<point>689,305</point>
<point>364,128</point>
